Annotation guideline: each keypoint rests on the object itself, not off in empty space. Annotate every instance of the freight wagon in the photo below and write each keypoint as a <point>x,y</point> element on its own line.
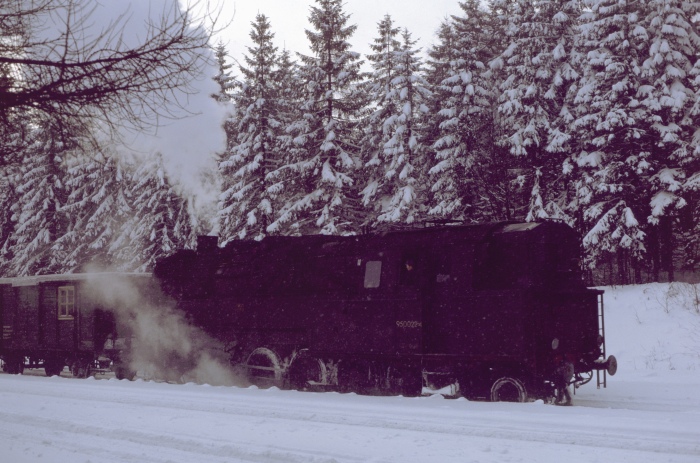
<point>54,321</point>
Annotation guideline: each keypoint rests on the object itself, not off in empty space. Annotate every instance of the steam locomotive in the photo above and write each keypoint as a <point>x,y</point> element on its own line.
<point>496,311</point>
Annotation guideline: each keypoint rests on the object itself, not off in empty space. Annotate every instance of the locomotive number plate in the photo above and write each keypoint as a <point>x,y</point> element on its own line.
<point>409,324</point>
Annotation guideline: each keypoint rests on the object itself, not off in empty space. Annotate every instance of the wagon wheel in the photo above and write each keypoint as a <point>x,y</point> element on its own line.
<point>80,369</point>
<point>14,365</point>
<point>18,366</point>
<point>122,371</point>
<point>263,368</point>
<point>53,367</point>
<point>508,389</point>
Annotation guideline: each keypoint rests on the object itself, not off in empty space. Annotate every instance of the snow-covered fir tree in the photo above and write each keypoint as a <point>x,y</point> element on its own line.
<point>324,151</point>
<point>37,214</point>
<point>227,86</point>
<point>15,131</point>
<point>539,66</point>
<point>404,157</point>
<point>670,73</point>
<point>161,221</point>
<point>8,196</point>
<point>98,204</point>
<point>438,67</point>
<point>247,204</point>
<point>610,163</point>
<point>374,135</point>
<point>465,116</point>
<point>289,96</point>
<point>289,93</point>
<point>224,78</point>
<point>688,233</point>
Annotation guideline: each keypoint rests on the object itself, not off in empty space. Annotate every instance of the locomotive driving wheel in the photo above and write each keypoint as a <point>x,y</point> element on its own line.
<point>353,377</point>
<point>406,381</point>
<point>264,368</point>
<point>306,373</point>
<point>508,389</point>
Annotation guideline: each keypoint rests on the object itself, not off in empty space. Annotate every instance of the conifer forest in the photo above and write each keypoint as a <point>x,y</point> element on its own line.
<point>583,111</point>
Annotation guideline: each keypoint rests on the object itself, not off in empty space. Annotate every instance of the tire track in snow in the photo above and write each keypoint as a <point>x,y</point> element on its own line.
<point>513,422</point>
<point>61,434</point>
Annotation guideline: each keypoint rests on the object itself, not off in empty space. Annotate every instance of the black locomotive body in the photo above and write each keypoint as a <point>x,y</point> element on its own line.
<point>499,311</point>
<point>73,320</point>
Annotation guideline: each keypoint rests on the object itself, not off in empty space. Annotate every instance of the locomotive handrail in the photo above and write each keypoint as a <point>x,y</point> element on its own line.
<point>601,316</point>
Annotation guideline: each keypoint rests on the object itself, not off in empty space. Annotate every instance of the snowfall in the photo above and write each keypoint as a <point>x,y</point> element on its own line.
<point>649,411</point>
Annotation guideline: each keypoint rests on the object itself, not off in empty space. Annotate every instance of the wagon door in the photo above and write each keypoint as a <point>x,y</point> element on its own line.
<point>59,302</point>
<point>25,330</point>
<point>48,319</point>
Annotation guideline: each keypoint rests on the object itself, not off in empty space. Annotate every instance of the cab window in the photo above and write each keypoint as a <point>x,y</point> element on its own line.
<point>373,273</point>
<point>408,271</point>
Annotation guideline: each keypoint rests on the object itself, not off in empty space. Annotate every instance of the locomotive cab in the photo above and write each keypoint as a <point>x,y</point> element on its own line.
<point>540,261</point>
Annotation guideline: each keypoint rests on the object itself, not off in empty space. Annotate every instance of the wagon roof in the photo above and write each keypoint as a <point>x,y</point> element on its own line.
<point>38,279</point>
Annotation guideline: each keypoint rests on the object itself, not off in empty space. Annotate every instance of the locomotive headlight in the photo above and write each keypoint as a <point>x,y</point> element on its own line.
<point>600,340</point>
<point>555,343</point>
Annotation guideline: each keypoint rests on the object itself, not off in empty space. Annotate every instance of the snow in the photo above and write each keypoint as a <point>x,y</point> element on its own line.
<point>649,411</point>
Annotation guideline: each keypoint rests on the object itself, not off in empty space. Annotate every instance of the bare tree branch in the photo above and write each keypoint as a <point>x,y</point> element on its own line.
<point>62,64</point>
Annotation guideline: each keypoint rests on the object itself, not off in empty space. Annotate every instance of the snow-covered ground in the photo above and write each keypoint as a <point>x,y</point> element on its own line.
<point>650,411</point>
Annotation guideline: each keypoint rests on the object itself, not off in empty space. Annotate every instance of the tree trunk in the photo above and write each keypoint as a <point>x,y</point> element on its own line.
<point>666,245</point>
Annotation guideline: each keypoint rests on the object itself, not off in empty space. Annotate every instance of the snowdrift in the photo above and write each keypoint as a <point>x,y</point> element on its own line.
<point>653,327</point>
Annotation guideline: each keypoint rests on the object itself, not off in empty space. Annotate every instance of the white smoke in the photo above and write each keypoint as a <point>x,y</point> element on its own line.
<point>163,344</point>
<point>190,141</point>
<point>188,133</point>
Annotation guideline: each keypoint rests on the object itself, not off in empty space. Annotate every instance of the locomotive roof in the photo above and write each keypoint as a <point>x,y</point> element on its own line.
<point>478,229</point>
<point>465,233</point>
<point>38,279</point>
<point>475,231</point>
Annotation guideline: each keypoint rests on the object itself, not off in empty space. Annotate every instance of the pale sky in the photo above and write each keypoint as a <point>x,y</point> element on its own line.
<point>289,20</point>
